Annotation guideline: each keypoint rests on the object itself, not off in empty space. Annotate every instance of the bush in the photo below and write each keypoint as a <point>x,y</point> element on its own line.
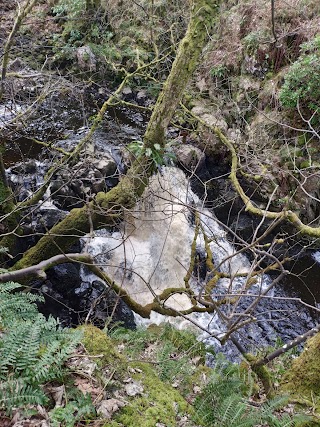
<point>302,82</point>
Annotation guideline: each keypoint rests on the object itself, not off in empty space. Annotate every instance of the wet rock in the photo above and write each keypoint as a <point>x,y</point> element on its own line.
<point>104,305</point>
<point>106,167</point>
<point>98,185</point>
<point>142,97</point>
<point>84,290</point>
<point>65,278</point>
<point>74,187</point>
<point>243,226</point>
<point>46,219</point>
<point>27,167</point>
<point>55,303</point>
<point>127,94</point>
<point>190,157</point>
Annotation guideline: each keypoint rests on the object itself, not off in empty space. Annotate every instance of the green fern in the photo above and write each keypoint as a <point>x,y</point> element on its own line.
<point>33,349</point>
<point>73,412</point>
<point>17,392</point>
<point>225,402</point>
<point>15,305</point>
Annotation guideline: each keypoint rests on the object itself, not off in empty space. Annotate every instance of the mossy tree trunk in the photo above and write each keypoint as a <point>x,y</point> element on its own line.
<point>107,208</point>
<point>184,65</point>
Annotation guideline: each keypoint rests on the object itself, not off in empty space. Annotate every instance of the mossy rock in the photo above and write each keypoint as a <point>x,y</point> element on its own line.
<point>97,343</point>
<point>158,403</point>
<point>302,380</point>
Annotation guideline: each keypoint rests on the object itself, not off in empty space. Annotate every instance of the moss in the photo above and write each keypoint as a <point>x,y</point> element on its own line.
<point>184,341</point>
<point>302,379</point>
<point>112,424</point>
<point>97,343</point>
<point>262,373</point>
<point>159,402</point>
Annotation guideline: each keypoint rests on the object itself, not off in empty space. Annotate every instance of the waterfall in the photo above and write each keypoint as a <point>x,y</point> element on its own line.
<point>151,249</point>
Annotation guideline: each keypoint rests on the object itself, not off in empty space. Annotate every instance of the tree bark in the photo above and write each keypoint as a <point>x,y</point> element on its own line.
<point>107,208</point>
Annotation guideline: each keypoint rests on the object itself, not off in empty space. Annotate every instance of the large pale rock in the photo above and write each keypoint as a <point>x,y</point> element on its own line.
<point>86,58</point>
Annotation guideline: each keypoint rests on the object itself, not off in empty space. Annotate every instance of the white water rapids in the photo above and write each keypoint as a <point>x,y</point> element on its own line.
<point>151,250</point>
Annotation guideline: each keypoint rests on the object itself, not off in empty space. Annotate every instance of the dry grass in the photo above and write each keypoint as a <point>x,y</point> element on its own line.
<point>246,25</point>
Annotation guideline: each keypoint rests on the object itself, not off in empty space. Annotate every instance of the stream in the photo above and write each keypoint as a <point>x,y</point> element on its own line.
<point>150,249</point>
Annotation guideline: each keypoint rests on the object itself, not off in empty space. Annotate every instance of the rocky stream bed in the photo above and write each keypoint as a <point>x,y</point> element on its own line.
<point>70,294</point>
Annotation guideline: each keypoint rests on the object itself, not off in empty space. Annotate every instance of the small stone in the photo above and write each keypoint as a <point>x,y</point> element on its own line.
<point>133,388</point>
<point>107,167</point>
<point>127,94</point>
<point>196,389</point>
<point>108,407</point>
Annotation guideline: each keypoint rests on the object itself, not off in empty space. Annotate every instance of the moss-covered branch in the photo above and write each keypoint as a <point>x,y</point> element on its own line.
<point>38,270</point>
<point>105,207</point>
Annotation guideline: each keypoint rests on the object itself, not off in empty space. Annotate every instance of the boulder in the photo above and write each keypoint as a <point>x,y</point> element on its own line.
<point>190,157</point>
<point>106,166</point>
<point>104,304</point>
<point>86,58</point>
<point>65,278</point>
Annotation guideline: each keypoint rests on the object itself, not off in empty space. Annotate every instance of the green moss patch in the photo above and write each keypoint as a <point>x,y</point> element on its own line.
<point>302,381</point>
<point>97,343</point>
<point>159,402</point>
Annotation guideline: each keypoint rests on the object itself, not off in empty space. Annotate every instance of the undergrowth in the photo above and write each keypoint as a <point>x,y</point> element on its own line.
<point>226,401</point>
<point>33,352</point>
<point>300,90</point>
<point>33,349</point>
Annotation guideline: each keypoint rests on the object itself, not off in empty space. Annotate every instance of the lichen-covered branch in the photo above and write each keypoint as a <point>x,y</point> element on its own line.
<point>105,208</point>
<point>286,347</point>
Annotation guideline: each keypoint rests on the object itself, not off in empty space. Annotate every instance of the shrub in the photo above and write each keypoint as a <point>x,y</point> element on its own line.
<point>301,87</point>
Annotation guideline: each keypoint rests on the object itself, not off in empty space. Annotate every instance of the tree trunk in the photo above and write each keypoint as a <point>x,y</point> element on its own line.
<point>16,26</point>
<point>107,208</point>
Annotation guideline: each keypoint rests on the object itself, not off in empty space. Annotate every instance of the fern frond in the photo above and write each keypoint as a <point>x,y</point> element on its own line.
<point>9,287</point>
<point>17,305</point>
<point>15,393</point>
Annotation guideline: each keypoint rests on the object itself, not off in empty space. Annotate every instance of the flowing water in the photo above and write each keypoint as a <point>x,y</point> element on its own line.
<point>150,251</point>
